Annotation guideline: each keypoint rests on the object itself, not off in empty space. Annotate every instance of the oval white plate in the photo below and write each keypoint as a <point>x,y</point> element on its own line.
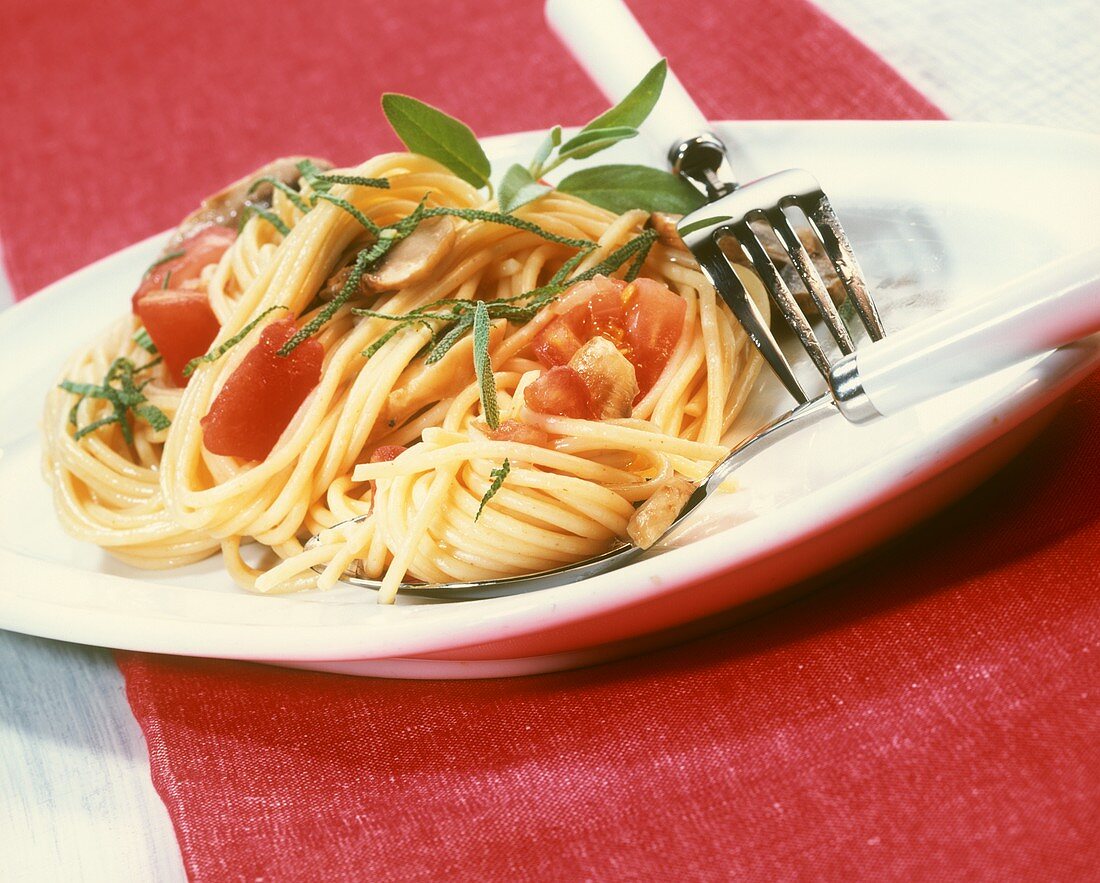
<point>937,212</point>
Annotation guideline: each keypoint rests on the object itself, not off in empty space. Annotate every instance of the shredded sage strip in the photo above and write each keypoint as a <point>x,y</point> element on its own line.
<point>125,396</point>
<point>231,342</point>
<point>498,476</point>
<point>289,192</point>
<point>357,180</point>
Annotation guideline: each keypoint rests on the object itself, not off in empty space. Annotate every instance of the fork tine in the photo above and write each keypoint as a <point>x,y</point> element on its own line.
<point>839,249</point>
<point>718,270</point>
<point>769,274</point>
<point>815,285</point>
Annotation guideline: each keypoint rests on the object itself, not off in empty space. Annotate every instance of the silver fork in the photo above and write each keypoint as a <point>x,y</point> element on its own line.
<point>710,230</point>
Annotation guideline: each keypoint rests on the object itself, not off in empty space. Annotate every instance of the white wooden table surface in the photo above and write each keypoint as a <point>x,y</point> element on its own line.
<point>76,801</point>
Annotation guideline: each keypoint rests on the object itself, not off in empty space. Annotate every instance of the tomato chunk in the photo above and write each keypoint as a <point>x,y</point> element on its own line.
<point>654,321</point>
<point>561,391</point>
<point>642,318</point>
<point>201,248</point>
<point>261,396</point>
<point>556,343</point>
<point>602,313</point>
<point>181,324</point>
<point>520,432</point>
<point>385,453</point>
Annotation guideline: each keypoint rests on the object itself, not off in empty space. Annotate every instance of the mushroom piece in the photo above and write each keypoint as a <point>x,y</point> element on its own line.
<point>818,258</point>
<point>610,377</point>
<point>225,206</point>
<point>665,225</point>
<point>655,515</point>
<point>415,256</point>
<point>336,282</point>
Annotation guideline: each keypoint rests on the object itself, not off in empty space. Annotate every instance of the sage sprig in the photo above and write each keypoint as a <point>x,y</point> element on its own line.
<point>609,128</point>
<point>618,187</point>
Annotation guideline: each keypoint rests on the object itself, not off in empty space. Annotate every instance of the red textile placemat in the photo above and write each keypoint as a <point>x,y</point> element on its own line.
<point>931,714</point>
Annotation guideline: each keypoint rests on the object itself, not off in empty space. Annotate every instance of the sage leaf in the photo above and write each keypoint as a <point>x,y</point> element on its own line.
<point>518,187</point>
<point>430,132</point>
<point>590,141</point>
<point>483,366</point>
<point>620,188</point>
<point>552,140</point>
<point>633,109</point>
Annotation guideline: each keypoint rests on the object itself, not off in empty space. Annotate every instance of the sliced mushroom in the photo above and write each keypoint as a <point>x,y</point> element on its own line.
<point>415,256</point>
<point>665,225</point>
<point>225,206</point>
<point>820,260</point>
<point>655,515</point>
<point>609,376</point>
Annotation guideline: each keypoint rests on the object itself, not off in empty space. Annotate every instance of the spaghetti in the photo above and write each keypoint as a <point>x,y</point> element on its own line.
<point>461,471</point>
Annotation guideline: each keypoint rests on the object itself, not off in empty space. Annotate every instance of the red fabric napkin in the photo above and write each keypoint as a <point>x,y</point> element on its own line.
<point>932,713</point>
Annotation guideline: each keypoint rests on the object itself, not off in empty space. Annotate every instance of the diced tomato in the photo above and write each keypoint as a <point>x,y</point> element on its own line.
<point>561,391</point>
<point>181,324</point>
<point>555,344</point>
<point>643,319</point>
<point>261,396</point>
<point>602,313</point>
<point>520,432</point>
<point>201,248</point>
<point>654,321</point>
<point>385,453</point>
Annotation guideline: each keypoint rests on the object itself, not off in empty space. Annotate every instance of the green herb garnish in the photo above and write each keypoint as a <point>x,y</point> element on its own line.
<point>477,214</point>
<point>483,366</point>
<point>430,132</point>
<point>289,192</point>
<point>703,222</point>
<point>620,188</point>
<point>119,389</point>
<point>498,476</point>
<point>630,186</point>
<point>228,344</point>
<point>519,187</point>
<point>141,338</point>
<point>340,202</point>
<point>456,317</point>
<point>273,219</point>
<point>357,180</point>
<point>366,258</point>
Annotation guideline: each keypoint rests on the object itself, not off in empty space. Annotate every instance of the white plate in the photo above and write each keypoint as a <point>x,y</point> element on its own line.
<point>937,212</point>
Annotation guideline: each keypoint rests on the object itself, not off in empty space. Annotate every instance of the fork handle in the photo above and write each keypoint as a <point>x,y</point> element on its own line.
<point>607,41</point>
<point>1040,311</point>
